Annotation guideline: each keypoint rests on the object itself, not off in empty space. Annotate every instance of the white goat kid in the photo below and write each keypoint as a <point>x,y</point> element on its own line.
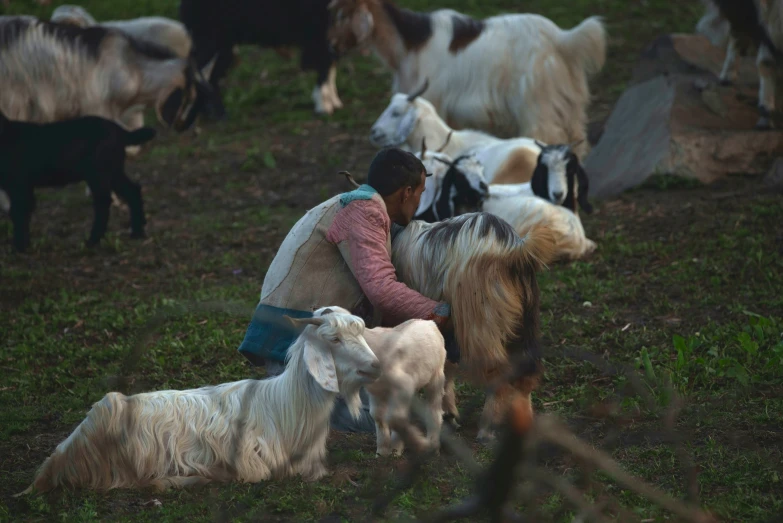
<point>514,74</point>
<point>412,356</point>
<point>248,430</point>
<point>409,120</point>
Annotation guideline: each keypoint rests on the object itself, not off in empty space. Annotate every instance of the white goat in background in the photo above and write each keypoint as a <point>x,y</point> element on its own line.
<point>165,32</point>
<point>515,74</point>
<point>248,430</point>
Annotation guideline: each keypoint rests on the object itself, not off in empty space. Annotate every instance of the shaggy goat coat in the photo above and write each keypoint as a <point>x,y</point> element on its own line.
<point>478,264</point>
<point>248,430</point>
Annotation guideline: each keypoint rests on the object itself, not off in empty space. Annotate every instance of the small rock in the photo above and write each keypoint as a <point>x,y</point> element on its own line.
<point>587,304</point>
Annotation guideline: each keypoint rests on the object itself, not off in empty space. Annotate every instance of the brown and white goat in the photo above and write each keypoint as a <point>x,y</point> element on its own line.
<point>509,75</point>
<point>478,264</point>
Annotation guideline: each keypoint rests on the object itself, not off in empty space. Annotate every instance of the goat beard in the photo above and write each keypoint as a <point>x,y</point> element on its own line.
<point>350,393</point>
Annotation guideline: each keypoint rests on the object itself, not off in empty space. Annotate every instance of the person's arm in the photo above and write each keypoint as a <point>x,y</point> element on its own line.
<point>364,224</point>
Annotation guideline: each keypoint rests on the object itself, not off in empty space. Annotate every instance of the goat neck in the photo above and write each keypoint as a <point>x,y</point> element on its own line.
<point>433,129</point>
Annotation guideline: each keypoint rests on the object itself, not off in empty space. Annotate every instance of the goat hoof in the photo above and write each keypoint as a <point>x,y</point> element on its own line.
<point>485,438</point>
<point>763,124</point>
<point>451,419</point>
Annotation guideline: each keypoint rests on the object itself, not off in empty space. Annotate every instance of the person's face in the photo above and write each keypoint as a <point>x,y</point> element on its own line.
<point>410,200</point>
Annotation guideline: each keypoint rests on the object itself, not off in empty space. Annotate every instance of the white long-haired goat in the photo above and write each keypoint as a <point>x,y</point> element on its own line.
<point>457,186</point>
<point>409,120</point>
<point>248,430</point>
<point>511,75</point>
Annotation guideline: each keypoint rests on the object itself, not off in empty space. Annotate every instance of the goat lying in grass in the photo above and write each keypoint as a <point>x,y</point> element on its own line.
<point>457,186</point>
<point>248,430</point>
<point>89,148</point>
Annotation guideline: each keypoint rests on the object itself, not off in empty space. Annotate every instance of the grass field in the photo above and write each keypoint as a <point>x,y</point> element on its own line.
<point>686,285</point>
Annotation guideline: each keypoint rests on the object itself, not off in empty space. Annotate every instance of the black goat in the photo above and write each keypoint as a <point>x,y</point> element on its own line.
<point>746,25</point>
<point>216,26</point>
<point>89,148</point>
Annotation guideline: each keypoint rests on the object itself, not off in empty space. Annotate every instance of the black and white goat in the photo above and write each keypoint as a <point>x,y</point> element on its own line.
<point>216,26</point>
<point>756,23</point>
<point>457,187</point>
<point>513,74</point>
<point>89,148</point>
<point>410,119</point>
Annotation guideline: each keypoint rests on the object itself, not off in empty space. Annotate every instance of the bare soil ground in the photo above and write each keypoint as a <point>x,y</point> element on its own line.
<point>685,286</point>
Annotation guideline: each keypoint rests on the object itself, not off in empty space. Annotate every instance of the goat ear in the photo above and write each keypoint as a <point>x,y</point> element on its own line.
<point>362,24</point>
<point>304,322</point>
<point>538,182</point>
<point>320,365</point>
<point>169,108</point>
<point>581,177</point>
<point>206,71</point>
<point>406,125</point>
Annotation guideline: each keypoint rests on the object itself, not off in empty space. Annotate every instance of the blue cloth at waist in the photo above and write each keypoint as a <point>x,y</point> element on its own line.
<point>269,335</point>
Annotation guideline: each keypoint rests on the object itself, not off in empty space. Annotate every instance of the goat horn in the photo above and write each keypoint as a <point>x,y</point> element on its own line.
<point>349,176</point>
<point>418,92</point>
<point>441,160</point>
<point>448,139</point>
<point>300,322</point>
<point>423,147</point>
<point>541,145</point>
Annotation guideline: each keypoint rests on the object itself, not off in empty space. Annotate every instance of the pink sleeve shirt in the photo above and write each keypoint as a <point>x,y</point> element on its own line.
<point>366,226</point>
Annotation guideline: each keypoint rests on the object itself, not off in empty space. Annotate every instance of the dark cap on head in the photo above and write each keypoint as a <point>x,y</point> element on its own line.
<point>392,169</point>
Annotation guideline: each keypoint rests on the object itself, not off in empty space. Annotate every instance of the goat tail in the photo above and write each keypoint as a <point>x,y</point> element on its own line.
<point>585,45</point>
<point>89,456</point>
<point>539,246</point>
<point>140,136</point>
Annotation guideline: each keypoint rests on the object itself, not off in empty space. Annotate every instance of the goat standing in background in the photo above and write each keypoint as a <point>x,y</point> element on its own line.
<point>216,26</point>
<point>758,23</point>
<point>161,31</point>
<point>509,75</point>
<point>90,149</point>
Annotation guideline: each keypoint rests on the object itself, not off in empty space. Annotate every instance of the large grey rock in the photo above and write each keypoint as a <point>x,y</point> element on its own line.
<point>675,119</point>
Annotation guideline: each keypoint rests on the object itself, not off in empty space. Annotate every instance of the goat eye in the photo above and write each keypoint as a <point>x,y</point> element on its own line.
<point>335,340</point>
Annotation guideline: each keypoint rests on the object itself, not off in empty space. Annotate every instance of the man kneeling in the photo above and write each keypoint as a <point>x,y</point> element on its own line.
<point>339,253</point>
